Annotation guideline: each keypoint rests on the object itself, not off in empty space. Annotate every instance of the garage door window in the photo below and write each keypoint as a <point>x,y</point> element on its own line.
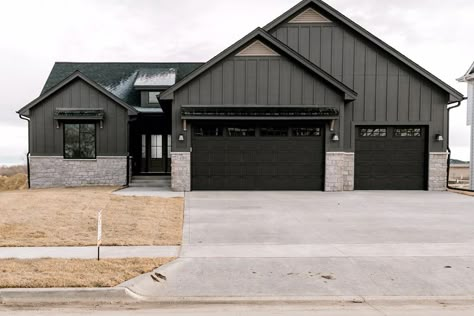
<point>209,131</point>
<point>407,132</point>
<point>241,132</point>
<point>274,131</point>
<point>373,132</point>
<point>306,131</point>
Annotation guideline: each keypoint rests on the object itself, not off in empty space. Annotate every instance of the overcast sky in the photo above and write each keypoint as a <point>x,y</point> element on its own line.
<point>34,34</point>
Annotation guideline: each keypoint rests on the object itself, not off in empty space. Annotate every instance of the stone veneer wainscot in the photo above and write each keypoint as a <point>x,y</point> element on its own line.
<point>59,172</point>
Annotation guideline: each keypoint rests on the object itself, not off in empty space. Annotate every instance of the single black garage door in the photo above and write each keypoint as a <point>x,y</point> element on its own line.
<point>391,158</point>
<point>257,157</point>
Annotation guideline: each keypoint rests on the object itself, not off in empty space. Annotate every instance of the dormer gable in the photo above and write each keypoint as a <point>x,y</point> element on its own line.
<point>257,48</point>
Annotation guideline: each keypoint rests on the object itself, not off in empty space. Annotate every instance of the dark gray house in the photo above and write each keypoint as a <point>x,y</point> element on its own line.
<point>312,101</point>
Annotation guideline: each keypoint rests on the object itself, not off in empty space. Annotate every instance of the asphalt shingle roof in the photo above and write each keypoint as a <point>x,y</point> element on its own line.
<point>117,78</point>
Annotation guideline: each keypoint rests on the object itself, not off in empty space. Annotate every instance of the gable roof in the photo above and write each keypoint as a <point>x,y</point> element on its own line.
<point>65,82</point>
<point>278,46</point>
<point>117,78</point>
<point>335,15</point>
<point>469,75</point>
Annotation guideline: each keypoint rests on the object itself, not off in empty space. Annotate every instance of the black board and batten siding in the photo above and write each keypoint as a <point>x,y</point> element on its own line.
<point>388,91</point>
<point>253,81</point>
<point>47,140</point>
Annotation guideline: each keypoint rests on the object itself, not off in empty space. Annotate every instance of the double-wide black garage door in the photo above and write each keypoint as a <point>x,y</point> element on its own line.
<point>261,157</point>
<point>391,158</point>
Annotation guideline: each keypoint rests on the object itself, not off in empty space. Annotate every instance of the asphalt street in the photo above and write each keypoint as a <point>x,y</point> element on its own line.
<point>424,308</point>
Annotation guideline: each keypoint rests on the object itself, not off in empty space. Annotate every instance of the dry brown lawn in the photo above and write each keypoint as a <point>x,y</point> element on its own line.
<point>68,217</point>
<point>12,170</point>
<point>60,273</point>
<point>15,182</point>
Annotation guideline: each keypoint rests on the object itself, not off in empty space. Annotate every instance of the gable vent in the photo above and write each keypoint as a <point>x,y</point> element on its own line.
<point>257,48</point>
<point>310,16</point>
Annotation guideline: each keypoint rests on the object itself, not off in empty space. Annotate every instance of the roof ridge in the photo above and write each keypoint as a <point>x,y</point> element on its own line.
<point>130,63</point>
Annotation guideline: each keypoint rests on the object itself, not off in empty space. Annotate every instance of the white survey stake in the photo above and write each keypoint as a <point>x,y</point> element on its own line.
<point>99,228</point>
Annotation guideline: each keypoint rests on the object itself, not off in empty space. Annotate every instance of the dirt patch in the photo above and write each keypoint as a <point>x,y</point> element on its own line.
<point>60,273</point>
<point>68,217</point>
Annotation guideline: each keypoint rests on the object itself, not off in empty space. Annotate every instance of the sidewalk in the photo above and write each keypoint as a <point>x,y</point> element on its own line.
<point>89,252</point>
<point>150,191</point>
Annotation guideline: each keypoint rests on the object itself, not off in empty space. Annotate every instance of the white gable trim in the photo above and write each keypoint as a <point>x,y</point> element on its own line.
<point>309,16</point>
<point>257,48</point>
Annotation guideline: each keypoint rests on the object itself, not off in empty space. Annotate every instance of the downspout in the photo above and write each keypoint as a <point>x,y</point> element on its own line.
<point>449,150</point>
<point>28,154</point>
<point>128,155</point>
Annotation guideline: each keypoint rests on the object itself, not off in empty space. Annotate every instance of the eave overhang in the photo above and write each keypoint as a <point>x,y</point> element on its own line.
<point>469,76</point>
<point>466,78</point>
<point>76,75</point>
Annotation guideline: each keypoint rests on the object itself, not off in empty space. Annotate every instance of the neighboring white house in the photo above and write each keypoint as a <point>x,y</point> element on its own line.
<point>469,78</point>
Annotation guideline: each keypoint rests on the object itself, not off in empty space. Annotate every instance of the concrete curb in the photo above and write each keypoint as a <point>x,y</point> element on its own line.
<point>317,300</point>
<point>125,296</point>
<point>66,296</point>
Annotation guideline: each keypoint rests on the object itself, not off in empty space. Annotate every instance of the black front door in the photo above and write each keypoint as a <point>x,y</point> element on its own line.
<point>156,153</point>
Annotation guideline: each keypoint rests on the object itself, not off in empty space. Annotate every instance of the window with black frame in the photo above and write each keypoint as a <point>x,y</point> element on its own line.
<point>79,141</point>
<point>274,131</point>
<point>209,131</point>
<point>240,132</point>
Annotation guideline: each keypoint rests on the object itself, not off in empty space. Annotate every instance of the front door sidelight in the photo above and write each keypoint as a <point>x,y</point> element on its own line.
<point>156,153</point>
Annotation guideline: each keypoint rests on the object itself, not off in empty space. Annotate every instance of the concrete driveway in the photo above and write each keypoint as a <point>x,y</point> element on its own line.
<point>306,244</point>
<point>321,218</point>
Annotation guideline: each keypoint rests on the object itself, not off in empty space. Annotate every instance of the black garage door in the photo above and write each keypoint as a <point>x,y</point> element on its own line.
<point>391,158</point>
<point>257,158</point>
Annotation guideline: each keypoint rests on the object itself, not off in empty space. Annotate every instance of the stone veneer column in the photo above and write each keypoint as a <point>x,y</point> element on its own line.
<point>335,162</point>
<point>181,171</point>
<point>438,166</point>
<point>349,166</point>
<point>59,172</point>
<point>339,172</point>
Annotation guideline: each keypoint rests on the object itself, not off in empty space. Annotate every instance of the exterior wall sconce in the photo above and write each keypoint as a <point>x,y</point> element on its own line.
<point>333,126</point>
<point>439,138</point>
<point>181,138</point>
<point>335,138</point>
